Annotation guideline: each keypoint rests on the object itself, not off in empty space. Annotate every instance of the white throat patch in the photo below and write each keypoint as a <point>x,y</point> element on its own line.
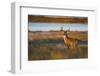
<point>64,37</point>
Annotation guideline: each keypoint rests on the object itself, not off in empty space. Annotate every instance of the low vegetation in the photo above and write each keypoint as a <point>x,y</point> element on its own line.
<point>50,46</point>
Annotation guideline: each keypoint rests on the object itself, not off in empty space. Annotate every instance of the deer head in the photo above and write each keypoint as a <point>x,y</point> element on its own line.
<point>66,32</point>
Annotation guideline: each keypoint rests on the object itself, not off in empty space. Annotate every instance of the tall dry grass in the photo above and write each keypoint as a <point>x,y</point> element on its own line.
<point>49,45</point>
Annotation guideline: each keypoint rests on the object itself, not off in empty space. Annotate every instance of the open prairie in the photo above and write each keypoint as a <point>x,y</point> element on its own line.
<point>49,45</point>
<point>53,37</point>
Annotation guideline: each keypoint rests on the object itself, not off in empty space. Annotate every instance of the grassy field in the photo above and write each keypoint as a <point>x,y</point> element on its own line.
<point>38,35</point>
<point>49,45</point>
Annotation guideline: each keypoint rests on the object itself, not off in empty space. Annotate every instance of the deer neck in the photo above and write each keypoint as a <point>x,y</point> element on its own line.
<point>65,37</point>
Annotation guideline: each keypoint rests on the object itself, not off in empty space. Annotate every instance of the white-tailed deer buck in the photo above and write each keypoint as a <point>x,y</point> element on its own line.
<point>70,42</point>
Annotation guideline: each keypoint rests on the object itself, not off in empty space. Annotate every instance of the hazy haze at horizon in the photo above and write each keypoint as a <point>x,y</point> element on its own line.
<point>57,26</point>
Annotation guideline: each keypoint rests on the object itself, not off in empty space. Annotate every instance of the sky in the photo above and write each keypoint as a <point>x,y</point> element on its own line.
<point>57,26</point>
